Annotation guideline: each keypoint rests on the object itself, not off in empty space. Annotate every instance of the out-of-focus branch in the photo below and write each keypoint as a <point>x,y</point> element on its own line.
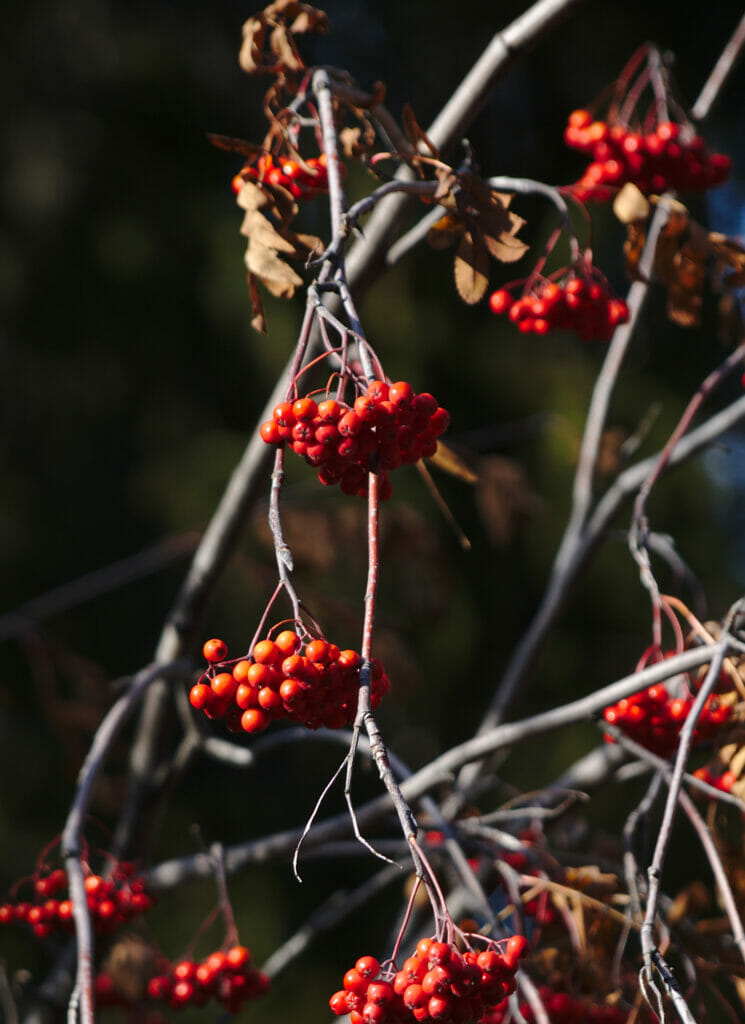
<point>105,735</point>
<point>171,873</point>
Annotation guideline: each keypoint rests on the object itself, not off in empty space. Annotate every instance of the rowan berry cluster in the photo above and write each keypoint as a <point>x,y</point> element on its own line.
<point>436,983</point>
<point>654,718</point>
<point>314,685</point>
<point>561,1009</point>
<point>669,157</point>
<point>580,302</point>
<point>226,976</point>
<point>112,902</point>
<point>385,428</point>
<point>302,180</point>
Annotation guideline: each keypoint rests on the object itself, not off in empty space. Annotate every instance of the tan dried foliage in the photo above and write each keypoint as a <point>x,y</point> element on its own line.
<point>504,498</point>
<point>266,224</point>
<point>478,218</point>
<point>268,37</point>
<point>685,256</point>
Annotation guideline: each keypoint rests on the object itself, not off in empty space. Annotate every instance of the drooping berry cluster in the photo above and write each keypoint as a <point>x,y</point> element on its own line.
<point>387,427</point>
<point>302,180</point>
<point>226,976</point>
<point>314,685</point>
<point>580,302</point>
<point>112,902</point>
<point>561,1009</point>
<point>655,717</point>
<point>437,983</point>
<point>669,157</point>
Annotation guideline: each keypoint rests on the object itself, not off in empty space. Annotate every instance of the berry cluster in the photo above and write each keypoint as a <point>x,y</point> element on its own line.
<point>670,157</point>
<point>561,1009</point>
<point>315,685</point>
<point>437,983</point>
<point>111,901</point>
<point>654,718</point>
<point>579,303</point>
<point>227,976</point>
<point>302,180</point>
<point>387,427</point>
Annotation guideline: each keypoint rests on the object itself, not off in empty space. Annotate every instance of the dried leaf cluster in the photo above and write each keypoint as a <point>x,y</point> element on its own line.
<point>266,225</point>
<point>269,37</point>
<point>686,255</point>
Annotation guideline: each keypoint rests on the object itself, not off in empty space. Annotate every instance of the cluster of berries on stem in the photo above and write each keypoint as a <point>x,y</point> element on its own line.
<point>112,901</point>
<point>654,718</point>
<point>389,426</point>
<point>437,983</point>
<point>667,156</point>
<point>227,976</point>
<point>579,301</point>
<point>313,683</point>
<point>303,180</point>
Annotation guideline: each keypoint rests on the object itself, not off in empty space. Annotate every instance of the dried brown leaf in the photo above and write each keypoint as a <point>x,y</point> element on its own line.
<point>258,318</point>
<point>504,499</point>
<point>284,49</point>
<point>258,229</point>
<point>254,36</point>
<point>506,248</point>
<point>415,133</point>
<point>277,276</point>
<point>233,145</point>
<point>631,204</point>
<point>445,232</point>
<point>471,268</point>
<point>253,197</point>
<point>310,19</point>
<point>449,461</point>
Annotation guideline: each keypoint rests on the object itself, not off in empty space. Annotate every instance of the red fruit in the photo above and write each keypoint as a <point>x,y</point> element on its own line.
<point>223,685</point>
<point>517,946</point>
<point>254,720</point>
<point>287,641</point>
<point>354,982</point>
<point>200,696</point>
<point>266,652</point>
<point>215,650</point>
<point>338,1003</point>
<point>380,992</point>
<point>270,432</point>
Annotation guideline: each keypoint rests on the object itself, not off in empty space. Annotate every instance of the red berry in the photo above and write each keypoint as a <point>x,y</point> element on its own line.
<point>215,650</point>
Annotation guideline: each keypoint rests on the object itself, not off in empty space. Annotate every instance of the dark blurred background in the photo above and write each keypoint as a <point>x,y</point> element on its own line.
<point>132,380</point>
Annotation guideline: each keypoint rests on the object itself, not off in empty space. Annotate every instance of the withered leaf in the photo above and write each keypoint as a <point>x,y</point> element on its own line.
<point>414,133</point>
<point>503,498</point>
<point>277,276</point>
<point>233,145</point>
<point>254,35</point>
<point>258,319</point>
<point>471,268</point>
<point>258,229</point>
<point>253,197</point>
<point>506,248</point>
<point>630,204</point>
<point>445,232</point>
<point>310,19</point>
<point>447,459</point>
<point>284,49</point>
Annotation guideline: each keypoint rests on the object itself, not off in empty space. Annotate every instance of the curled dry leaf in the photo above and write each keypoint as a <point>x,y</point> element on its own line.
<point>479,219</point>
<point>268,37</point>
<point>471,268</point>
<point>685,255</point>
<point>266,224</point>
